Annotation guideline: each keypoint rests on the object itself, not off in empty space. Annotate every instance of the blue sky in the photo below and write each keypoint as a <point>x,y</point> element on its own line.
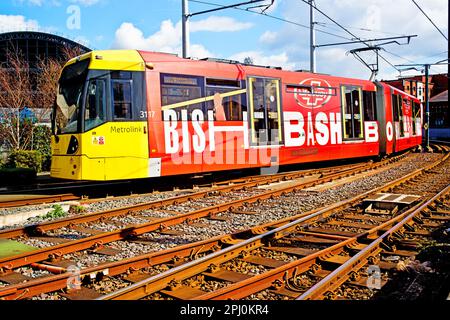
<point>233,34</point>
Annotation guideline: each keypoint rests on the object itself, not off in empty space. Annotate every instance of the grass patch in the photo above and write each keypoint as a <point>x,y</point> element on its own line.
<point>57,212</point>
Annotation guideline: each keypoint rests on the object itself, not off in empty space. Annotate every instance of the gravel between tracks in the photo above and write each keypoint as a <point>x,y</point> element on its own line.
<point>274,209</point>
<point>101,205</point>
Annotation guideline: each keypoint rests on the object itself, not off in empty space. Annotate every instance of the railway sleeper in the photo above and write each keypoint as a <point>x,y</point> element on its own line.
<point>183,293</point>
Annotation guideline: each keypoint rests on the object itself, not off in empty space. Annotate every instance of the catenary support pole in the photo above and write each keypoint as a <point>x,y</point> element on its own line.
<point>312,38</point>
<point>427,104</point>
<point>185,29</point>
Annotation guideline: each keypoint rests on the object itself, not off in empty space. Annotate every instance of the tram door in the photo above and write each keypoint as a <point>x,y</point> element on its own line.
<point>352,112</point>
<point>265,111</point>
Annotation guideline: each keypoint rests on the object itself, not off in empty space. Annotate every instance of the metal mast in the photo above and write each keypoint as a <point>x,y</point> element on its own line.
<point>186,16</point>
<point>426,67</point>
<point>312,37</point>
<point>185,29</point>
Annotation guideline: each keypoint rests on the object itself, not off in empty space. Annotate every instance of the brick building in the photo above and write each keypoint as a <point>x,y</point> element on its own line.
<point>439,112</point>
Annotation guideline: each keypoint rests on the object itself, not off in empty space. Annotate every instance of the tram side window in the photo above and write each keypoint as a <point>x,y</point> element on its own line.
<point>395,107</point>
<point>179,92</point>
<point>122,98</point>
<point>400,116</point>
<point>370,105</point>
<point>352,113</point>
<point>95,112</point>
<point>229,108</point>
<point>398,112</point>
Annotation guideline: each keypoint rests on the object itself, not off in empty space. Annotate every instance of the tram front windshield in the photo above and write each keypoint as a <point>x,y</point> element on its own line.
<point>67,110</point>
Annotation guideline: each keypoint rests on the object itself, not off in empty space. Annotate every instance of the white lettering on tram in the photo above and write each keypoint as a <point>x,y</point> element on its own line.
<point>371,131</point>
<point>297,128</point>
<point>389,131</point>
<point>199,138</point>
<point>323,133</point>
<point>171,137</point>
<point>335,128</point>
<point>199,134</point>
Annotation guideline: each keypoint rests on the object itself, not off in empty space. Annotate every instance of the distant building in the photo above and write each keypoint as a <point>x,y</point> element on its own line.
<point>439,117</point>
<point>439,112</point>
<point>415,85</point>
<point>36,46</point>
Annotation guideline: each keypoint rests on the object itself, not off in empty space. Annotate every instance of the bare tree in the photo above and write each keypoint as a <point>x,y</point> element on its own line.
<point>20,88</point>
<point>70,52</point>
<point>15,94</point>
<point>47,81</point>
<point>46,86</point>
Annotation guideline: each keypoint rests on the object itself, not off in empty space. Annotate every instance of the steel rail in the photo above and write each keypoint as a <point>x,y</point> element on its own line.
<point>336,278</point>
<point>91,217</point>
<point>263,281</point>
<point>37,200</point>
<point>56,282</point>
<point>101,239</point>
<point>59,281</point>
<point>153,284</point>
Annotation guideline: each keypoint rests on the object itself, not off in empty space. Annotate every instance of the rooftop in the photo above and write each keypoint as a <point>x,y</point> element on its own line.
<point>441,97</point>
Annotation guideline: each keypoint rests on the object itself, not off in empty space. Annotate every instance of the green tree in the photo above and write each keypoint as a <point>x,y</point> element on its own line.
<point>41,142</point>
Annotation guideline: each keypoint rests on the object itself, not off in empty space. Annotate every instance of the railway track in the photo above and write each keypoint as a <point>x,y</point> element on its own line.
<point>304,257</point>
<point>26,195</point>
<point>20,201</point>
<point>93,237</point>
<point>36,196</point>
<point>97,243</point>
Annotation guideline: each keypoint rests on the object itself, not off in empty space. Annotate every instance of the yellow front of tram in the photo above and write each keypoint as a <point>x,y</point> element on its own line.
<point>100,119</point>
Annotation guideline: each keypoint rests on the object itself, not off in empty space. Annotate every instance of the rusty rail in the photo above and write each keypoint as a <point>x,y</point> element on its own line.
<point>37,200</point>
<point>52,283</point>
<point>342,273</point>
<point>160,281</point>
<point>10,263</point>
<point>91,217</point>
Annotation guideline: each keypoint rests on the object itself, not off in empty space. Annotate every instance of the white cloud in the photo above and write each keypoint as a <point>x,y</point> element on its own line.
<point>39,3</point>
<point>400,17</point>
<point>166,39</point>
<point>86,3</point>
<point>17,23</point>
<point>219,24</point>
<point>268,37</point>
<point>260,58</point>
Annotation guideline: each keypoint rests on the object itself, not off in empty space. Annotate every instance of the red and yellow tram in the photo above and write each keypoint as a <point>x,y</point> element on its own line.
<point>128,114</point>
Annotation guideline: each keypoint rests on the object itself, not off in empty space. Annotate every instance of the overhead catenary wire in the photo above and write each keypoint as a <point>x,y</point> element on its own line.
<point>327,25</point>
<point>437,54</point>
<point>413,61</point>
<point>344,28</point>
<point>273,17</point>
<point>429,19</point>
<point>349,32</point>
